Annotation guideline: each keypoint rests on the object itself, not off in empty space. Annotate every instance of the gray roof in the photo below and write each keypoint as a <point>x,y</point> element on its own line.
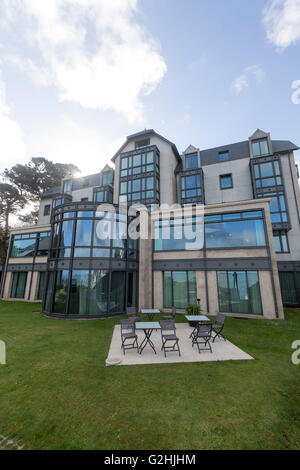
<point>93,180</point>
<point>239,150</point>
<point>51,192</point>
<point>147,132</point>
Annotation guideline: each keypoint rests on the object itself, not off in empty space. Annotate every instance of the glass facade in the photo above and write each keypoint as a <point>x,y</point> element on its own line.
<point>30,244</point>
<point>139,177</point>
<point>18,285</point>
<point>235,230</point>
<point>239,292</point>
<point>179,289</point>
<point>88,235</point>
<point>230,230</point>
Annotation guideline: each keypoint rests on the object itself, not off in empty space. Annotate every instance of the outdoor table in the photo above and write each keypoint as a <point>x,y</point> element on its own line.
<point>147,327</point>
<point>198,319</point>
<point>150,312</point>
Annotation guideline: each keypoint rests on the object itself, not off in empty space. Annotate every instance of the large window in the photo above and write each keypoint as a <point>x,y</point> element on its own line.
<point>239,292</point>
<point>139,178</point>
<point>79,292</point>
<point>61,292</point>
<point>191,186</point>
<point>191,162</point>
<point>267,174</point>
<point>97,237</point>
<point>18,285</point>
<point>178,234</point>
<point>232,230</point>
<point>235,230</point>
<point>260,148</point>
<point>137,189</point>
<point>180,289</point>
<point>290,287</point>
<point>30,244</point>
<point>137,164</point>
<point>278,210</point>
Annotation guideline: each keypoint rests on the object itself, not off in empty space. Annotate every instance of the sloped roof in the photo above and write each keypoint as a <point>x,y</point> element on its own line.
<point>146,132</point>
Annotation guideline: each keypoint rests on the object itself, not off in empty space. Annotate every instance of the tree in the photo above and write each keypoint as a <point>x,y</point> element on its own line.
<point>11,201</point>
<point>3,245</point>
<point>37,176</point>
<point>31,217</point>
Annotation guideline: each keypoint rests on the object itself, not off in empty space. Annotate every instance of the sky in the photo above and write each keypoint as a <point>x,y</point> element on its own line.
<point>78,76</point>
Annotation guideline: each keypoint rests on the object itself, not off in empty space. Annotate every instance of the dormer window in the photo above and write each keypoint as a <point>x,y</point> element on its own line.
<point>260,148</point>
<point>67,187</point>
<point>106,179</point>
<point>191,162</point>
<point>223,156</point>
<point>142,143</point>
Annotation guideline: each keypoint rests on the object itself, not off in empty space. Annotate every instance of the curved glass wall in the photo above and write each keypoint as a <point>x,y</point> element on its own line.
<point>92,265</point>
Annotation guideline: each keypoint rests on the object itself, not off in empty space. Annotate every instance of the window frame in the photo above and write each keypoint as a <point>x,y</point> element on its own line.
<point>172,286</point>
<point>190,156</point>
<point>226,175</point>
<point>224,152</point>
<point>249,295</point>
<point>259,141</point>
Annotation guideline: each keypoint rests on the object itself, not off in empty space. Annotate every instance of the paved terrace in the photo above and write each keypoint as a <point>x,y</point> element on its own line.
<point>222,350</point>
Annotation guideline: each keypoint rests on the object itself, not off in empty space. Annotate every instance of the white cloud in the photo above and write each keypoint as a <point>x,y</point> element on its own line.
<point>93,51</point>
<point>73,141</point>
<point>12,146</point>
<point>241,83</point>
<point>282,22</point>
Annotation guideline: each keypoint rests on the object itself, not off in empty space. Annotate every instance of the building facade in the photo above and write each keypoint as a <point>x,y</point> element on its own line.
<point>248,262</point>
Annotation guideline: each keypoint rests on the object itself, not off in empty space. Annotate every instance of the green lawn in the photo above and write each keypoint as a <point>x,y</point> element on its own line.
<point>56,392</point>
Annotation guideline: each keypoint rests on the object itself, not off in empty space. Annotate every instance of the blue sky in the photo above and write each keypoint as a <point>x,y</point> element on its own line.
<point>77,76</point>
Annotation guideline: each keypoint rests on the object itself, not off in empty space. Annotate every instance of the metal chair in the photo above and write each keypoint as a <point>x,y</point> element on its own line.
<point>202,336</point>
<point>131,313</point>
<point>170,317</point>
<point>168,334</point>
<point>219,325</point>
<point>128,333</point>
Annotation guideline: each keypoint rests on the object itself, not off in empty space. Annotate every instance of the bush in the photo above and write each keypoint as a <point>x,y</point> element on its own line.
<point>192,309</point>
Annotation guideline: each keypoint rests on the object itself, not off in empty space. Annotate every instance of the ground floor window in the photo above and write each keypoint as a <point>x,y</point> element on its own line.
<point>90,292</point>
<point>239,292</point>
<point>180,288</point>
<point>42,285</point>
<point>290,287</point>
<point>18,285</point>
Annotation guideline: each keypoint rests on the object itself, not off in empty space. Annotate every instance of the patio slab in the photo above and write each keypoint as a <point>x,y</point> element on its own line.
<point>222,350</point>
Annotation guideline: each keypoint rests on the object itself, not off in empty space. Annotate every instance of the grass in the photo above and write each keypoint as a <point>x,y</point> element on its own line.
<point>56,392</point>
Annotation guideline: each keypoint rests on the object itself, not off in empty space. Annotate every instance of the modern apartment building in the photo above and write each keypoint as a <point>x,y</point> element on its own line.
<point>248,264</point>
